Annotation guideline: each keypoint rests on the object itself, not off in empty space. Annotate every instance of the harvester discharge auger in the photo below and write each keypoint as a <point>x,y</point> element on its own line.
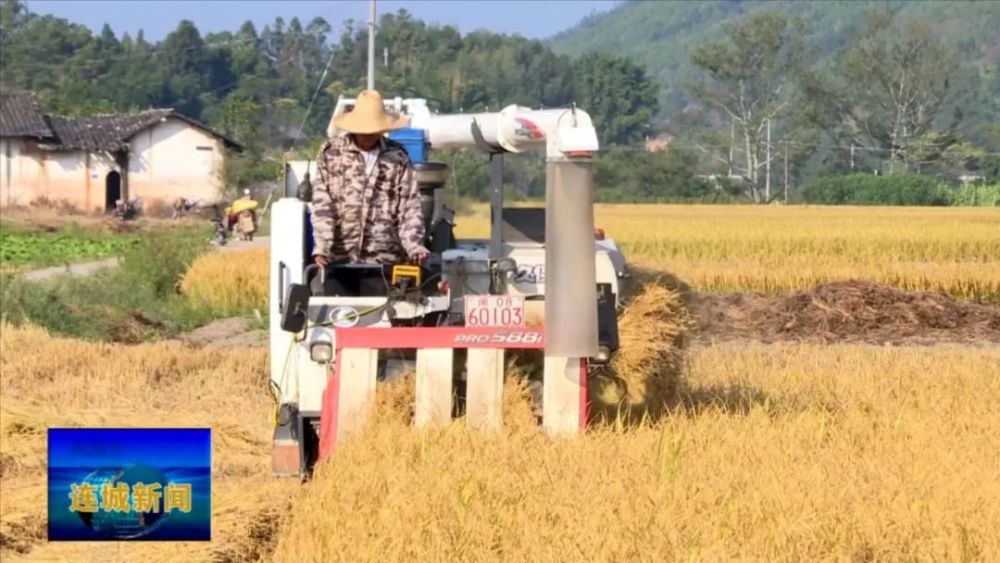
<point>451,319</point>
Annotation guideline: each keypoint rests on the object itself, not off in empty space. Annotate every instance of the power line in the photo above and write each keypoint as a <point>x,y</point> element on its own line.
<point>315,93</point>
<point>725,146</point>
<point>185,99</point>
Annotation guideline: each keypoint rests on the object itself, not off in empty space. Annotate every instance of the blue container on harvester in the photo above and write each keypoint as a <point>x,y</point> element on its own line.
<point>413,140</point>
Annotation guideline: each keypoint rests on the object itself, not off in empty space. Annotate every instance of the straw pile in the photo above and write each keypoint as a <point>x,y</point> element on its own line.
<point>645,375</point>
<point>849,311</point>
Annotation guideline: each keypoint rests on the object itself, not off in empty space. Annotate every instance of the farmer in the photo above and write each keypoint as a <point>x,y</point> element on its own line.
<point>365,203</point>
<point>244,203</point>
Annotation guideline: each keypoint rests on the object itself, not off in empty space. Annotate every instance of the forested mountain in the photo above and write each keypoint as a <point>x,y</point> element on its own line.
<point>660,36</point>
<point>816,87</point>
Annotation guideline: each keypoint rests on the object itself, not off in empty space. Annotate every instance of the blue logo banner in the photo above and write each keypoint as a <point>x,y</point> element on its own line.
<point>128,484</point>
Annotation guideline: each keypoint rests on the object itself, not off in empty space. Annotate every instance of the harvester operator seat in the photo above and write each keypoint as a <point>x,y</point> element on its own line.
<point>368,280</point>
<point>349,280</point>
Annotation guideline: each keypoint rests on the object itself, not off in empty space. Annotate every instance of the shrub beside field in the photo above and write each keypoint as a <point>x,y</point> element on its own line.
<point>137,301</point>
<point>896,189</point>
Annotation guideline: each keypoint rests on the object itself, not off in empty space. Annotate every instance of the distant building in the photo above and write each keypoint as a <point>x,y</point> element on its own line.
<point>968,179</point>
<point>659,143</point>
<point>91,162</point>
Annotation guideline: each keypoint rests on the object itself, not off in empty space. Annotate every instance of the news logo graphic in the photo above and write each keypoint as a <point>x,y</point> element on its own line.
<point>128,484</point>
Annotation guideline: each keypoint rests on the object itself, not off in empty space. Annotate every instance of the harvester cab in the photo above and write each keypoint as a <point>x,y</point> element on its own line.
<point>544,279</point>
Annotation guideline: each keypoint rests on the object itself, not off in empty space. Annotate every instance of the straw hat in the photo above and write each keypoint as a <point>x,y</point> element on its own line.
<point>368,116</point>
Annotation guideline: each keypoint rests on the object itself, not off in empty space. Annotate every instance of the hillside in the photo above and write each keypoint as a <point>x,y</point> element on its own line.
<point>661,35</point>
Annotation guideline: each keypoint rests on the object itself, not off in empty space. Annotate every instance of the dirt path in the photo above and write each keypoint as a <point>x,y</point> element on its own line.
<point>236,244</point>
<point>86,268</point>
<point>234,332</point>
<point>79,269</point>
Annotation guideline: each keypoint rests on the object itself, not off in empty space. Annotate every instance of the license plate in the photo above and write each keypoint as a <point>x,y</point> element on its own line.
<point>494,310</point>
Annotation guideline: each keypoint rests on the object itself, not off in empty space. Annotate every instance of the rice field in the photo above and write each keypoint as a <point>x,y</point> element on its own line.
<point>228,282</point>
<point>748,249</point>
<point>739,249</point>
<point>764,452</point>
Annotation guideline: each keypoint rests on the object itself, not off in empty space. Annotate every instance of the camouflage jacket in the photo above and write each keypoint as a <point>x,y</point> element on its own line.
<point>360,219</point>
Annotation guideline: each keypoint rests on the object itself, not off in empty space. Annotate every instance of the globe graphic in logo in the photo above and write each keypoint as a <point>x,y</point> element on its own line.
<point>129,524</point>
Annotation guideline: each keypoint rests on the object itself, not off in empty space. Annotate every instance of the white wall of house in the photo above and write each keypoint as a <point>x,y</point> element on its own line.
<point>173,159</point>
<point>169,160</point>
<point>77,178</point>
<point>7,160</point>
<point>15,168</point>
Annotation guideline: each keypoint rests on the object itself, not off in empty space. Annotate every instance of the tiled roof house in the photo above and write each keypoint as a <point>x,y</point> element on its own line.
<point>91,162</point>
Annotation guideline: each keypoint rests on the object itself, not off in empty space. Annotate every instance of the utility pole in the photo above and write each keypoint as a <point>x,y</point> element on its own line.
<point>786,171</point>
<point>371,45</point>
<point>732,141</point>
<point>852,156</point>
<point>767,181</point>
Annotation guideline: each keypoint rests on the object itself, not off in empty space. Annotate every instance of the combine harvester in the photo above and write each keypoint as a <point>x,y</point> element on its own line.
<point>451,319</point>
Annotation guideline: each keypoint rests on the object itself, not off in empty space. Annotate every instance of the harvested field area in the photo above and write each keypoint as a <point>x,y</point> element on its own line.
<point>853,311</point>
<point>58,382</point>
<point>785,452</point>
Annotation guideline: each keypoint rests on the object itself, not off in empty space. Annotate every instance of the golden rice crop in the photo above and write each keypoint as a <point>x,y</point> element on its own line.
<point>773,453</point>
<point>795,453</point>
<point>736,249</point>
<point>777,248</point>
<point>228,281</point>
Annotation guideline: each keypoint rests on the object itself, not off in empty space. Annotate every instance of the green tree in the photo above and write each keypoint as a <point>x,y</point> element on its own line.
<point>238,117</point>
<point>750,78</point>
<point>631,176</point>
<point>185,61</point>
<point>617,93</point>
<point>897,76</point>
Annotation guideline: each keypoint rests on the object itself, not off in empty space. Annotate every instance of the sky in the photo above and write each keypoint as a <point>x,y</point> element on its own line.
<point>536,19</point>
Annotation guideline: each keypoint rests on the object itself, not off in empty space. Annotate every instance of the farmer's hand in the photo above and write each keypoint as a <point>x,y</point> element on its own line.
<point>419,256</point>
<point>320,260</point>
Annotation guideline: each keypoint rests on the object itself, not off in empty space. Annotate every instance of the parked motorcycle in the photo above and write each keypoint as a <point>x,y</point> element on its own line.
<point>127,210</point>
<point>221,234</point>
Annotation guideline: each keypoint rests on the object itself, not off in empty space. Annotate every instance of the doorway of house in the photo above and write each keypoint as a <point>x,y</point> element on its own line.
<point>112,189</point>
